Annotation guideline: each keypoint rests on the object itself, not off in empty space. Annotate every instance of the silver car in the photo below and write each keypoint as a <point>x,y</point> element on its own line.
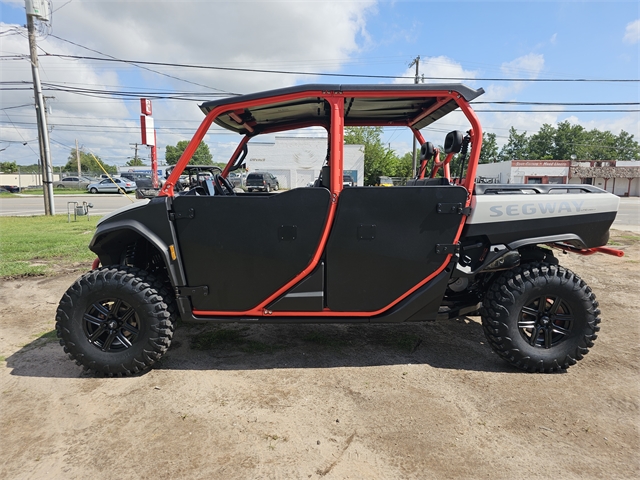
<point>77,183</point>
<point>108,186</point>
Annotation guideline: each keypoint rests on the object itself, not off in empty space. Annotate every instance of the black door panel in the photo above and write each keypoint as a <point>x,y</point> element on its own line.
<point>245,247</point>
<point>383,243</point>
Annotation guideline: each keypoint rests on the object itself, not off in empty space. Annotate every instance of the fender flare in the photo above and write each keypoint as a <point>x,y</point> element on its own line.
<point>565,237</point>
<point>174,270</point>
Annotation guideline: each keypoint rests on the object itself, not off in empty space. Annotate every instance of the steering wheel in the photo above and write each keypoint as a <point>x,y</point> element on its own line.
<point>222,185</point>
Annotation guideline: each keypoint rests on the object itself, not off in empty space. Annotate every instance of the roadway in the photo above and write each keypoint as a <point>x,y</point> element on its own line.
<point>28,205</point>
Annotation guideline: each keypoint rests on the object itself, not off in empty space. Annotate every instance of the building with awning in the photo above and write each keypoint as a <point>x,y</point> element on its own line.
<point>618,177</point>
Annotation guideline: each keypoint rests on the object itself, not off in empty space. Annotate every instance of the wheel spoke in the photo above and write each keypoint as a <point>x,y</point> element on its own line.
<point>115,307</point>
<point>559,317</point>
<point>128,314</point>
<point>101,329</point>
<point>542,305</point>
<point>561,330</point>
<point>534,336</point>
<point>530,311</point>
<point>109,341</point>
<point>547,337</point>
<point>130,328</point>
<point>526,323</point>
<point>555,306</point>
<point>91,319</point>
<point>102,310</point>
<point>124,340</point>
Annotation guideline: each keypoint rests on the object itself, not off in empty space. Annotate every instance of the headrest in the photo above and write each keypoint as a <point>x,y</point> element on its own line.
<point>426,151</point>
<point>453,142</point>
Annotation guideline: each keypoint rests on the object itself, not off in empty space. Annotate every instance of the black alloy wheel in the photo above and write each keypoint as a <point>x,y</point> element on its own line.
<point>546,321</point>
<point>540,317</point>
<point>111,325</point>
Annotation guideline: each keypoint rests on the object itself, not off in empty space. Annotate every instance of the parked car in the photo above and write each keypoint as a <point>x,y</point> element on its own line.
<point>237,179</point>
<point>262,181</point>
<point>438,248</point>
<point>76,183</point>
<point>385,182</point>
<point>108,186</point>
<point>11,188</point>
<point>347,180</point>
<point>141,179</point>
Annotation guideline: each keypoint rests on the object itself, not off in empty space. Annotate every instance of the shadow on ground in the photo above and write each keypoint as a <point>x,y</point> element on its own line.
<point>452,344</point>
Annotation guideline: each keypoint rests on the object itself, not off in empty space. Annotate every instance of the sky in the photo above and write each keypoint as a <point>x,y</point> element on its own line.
<point>506,47</point>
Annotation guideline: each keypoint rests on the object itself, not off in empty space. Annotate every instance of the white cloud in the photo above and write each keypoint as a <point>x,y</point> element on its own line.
<point>527,66</point>
<point>291,36</point>
<point>632,32</point>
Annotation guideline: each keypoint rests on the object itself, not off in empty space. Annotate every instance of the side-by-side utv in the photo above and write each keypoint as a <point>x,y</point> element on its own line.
<point>439,247</point>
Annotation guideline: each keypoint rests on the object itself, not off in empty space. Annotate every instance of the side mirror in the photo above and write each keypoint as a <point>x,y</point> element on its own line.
<point>427,151</point>
<point>453,142</point>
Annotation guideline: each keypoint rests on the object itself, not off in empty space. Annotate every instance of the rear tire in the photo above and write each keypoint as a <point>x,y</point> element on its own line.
<point>114,321</point>
<point>540,317</point>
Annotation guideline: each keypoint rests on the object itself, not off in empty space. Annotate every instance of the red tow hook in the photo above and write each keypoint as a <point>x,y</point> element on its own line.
<point>95,264</point>
<point>590,251</point>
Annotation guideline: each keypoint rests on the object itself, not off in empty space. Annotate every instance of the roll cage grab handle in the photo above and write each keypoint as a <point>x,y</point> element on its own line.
<point>336,131</point>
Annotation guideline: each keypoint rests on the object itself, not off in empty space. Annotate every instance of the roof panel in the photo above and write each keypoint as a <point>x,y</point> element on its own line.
<point>374,109</point>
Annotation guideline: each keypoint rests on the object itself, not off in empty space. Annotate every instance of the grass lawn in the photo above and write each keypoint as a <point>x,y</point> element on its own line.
<point>35,245</point>
<point>56,191</point>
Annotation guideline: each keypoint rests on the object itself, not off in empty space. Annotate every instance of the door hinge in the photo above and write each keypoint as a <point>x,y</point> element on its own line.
<point>193,291</point>
<point>455,208</point>
<point>447,248</point>
<point>176,215</point>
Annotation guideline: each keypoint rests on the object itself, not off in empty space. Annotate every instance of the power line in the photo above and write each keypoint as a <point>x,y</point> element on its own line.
<point>143,68</point>
<point>345,75</point>
<point>199,96</point>
<point>558,111</point>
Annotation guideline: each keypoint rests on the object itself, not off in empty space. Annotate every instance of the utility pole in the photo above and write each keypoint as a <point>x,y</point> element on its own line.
<point>135,155</point>
<point>78,159</point>
<point>43,133</point>
<point>416,62</point>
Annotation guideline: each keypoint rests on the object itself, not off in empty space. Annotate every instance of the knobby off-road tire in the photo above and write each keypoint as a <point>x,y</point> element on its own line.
<point>540,317</point>
<point>115,321</point>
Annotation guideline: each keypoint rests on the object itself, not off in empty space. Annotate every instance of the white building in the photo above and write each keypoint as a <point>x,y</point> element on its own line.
<point>297,161</point>
<point>619,178</point>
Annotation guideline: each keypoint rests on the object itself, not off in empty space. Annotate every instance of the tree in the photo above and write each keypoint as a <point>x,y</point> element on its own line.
<point>570,140</point>
<point>626,148</point>
<point>8,167</point>
<point>202,155</point>
<point>516,148</point>
<point>489,152</point>
<point>378,159</point>
<point>542,145</point>
<point>404,167</point>
<point>88,163</point>
<point>135,162</point>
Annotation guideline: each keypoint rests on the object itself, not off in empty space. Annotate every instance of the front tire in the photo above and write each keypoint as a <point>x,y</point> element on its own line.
<point>540,317</point>
<point>114,321</point>
<point>93,190</point>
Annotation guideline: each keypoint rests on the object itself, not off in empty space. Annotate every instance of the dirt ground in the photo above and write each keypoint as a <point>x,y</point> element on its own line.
<point>370,402</point>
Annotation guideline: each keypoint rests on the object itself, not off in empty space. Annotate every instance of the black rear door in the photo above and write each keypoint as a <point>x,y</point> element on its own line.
<point>383,243</point>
